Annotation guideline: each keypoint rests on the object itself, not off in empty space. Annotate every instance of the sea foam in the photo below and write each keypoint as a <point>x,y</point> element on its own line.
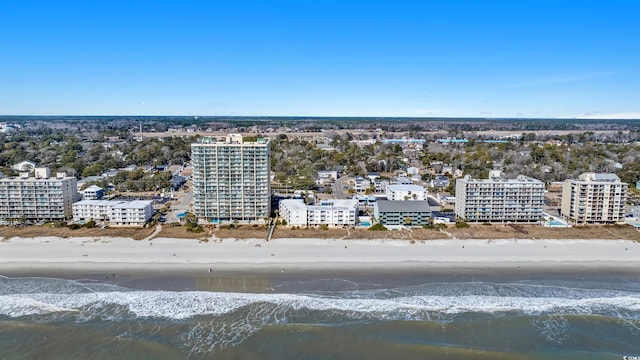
<point>410,305</point>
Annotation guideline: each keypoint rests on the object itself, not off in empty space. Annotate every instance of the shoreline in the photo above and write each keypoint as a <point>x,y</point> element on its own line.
<point>256,255</point>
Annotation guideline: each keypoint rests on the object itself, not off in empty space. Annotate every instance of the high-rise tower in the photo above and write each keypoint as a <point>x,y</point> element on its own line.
<point>231,179</point>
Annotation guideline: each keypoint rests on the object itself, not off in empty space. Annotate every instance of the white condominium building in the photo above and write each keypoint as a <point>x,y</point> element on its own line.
<point>499,200</point>
<point>594,199</point>
<point>406,192</point>
<point>41,198</point>
<point>327,212</point>
<point>132,213</point>
<point>231,179</point>
<point>98,210</point>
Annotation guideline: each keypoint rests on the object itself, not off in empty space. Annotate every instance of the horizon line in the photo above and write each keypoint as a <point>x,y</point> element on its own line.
<point>332,117</point>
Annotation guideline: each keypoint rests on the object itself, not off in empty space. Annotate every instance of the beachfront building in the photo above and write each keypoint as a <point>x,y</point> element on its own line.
<point>37,198</point>
<point>131,213</point>
<point>97,210</point>
<point>406,192</point>
<point>116,212</point>
<point>402,213</point>
<point>231,179</point>
<point>332,212</point>
<point>595,198</point>
<point>499,200</point>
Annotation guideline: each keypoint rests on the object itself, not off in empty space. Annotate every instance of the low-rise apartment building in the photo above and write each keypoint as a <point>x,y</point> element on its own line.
<point>499,200</point>
<point>332,212</point>
<point>402,213</point>
<point>406,192</point>
<point>131,213</point>
<point>595,198</point>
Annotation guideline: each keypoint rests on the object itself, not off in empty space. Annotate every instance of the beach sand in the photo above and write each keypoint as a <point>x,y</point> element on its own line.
<point>282,255</point>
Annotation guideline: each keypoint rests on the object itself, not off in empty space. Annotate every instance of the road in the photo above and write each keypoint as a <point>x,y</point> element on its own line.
<point>181,204</point>
<point>336,188</point>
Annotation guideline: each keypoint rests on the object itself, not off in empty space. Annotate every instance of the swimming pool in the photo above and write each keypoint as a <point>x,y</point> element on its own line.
<point>635,224</point>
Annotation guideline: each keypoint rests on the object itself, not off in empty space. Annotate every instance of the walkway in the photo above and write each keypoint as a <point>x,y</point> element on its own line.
<point>154,233</point>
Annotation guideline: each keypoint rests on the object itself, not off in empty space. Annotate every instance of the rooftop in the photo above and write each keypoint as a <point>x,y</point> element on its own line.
<point>396,187</point>
<point>519,180</point>
<point>116,204</point>
<point>403,206</point>
<point>606,177</point>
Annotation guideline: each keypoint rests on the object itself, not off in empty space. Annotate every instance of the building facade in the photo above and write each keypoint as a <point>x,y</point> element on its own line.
<point>41,198</point>
<point>499,200</point>
<point>231,179</point>
<point>129,213</point>
<point>361,184</point>
<point>406,192</point>
<point>93,192</point>
<point>402,213</point>
<point>595,198</point>
<point>332,212</point>
<point>97,210</point>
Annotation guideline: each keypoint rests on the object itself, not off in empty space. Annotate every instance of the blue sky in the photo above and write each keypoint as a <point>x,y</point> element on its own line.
<point>321,58</point>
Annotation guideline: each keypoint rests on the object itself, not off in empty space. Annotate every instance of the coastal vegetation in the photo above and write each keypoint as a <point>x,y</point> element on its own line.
<point>88,146</point>
<point>550,150</point>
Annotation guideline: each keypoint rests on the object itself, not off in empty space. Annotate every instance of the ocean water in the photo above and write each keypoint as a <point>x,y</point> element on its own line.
<point>568,316</point>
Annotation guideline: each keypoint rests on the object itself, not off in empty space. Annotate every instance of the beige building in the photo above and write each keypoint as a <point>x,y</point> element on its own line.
<point>231,179</point>
<point>595,198</point>
<point>39,198</point>
<point>499,200</point>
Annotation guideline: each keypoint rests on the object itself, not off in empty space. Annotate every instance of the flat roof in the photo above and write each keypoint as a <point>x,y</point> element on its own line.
<point>137,204</point>
<point>97,202</point>
<point>607,177</point>
<point>403,206</point>
<point>294,204</point>
<point>117,204</point>
<point>397,187</point>
<point>519,180</point>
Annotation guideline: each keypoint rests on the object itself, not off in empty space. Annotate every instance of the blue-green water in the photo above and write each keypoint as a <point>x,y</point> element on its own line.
<point>571,317</point>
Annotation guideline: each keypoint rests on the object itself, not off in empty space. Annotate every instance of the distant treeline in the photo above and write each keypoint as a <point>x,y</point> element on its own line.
<point>161,123</point>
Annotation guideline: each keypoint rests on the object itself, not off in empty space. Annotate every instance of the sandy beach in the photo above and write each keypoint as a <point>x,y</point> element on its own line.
<point>110,253</point>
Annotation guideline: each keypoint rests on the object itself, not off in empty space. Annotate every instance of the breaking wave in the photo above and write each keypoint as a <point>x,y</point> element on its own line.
<point>39,296</point>
<point>214,320</point>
